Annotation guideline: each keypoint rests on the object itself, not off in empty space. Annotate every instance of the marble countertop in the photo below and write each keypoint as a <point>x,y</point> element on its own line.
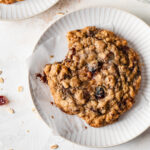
<point>24,130</point>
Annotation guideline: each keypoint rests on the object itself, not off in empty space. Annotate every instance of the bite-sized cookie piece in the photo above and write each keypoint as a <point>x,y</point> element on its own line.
<point>99,77</point>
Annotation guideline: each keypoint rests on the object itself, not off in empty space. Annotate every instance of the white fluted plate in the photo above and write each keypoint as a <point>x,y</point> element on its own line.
<point>53,42</point>
<point>24,9</point>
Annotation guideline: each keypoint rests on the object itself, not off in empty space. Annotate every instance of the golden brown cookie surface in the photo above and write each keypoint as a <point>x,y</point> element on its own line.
<point>98,79</point>
<point>9,1</point>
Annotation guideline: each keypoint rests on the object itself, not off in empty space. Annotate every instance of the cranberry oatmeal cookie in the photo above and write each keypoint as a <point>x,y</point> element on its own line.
<point>9,1</point>
<point>98,79</point>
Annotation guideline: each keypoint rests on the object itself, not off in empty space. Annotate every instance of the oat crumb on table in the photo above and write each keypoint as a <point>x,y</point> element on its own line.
<point>20,89</point>
<point>1,80</point>
<point>11,110</point>
<point>51,56</point>
<point>54,146</point>
<point>28,131</point>
<point>33,109</point>
<point>1,72</point>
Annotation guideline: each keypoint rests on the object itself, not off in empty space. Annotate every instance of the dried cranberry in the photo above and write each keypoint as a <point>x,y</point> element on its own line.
<point>38,75</point>
<point>42,77</point>
<point>3,100</point>
<point>51,103</point>
<point>100,93</point>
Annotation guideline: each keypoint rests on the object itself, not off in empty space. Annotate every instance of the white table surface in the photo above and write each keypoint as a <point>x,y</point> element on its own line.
<point>17,40</point>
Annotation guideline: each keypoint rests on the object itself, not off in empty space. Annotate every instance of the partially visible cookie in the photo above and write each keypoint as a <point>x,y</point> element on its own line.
<point>9,1</point>
<point>99,77</point>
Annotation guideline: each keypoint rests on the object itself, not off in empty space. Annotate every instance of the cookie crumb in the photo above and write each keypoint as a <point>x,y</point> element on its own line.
<point>52,117</point>
<point>51,56</point>
<point>54,146</point>
<point>11,149</point>
<point>28,131</point>
<point>1,80</point>
<point>20,89</point>
<point>1,89</point>
<point>11,111</point>
<point>1,72</point>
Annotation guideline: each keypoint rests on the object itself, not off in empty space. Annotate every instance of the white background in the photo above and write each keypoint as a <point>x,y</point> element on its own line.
<point>17,40</point>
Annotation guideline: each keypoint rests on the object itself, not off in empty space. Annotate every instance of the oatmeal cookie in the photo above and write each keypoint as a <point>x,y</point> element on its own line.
<point>98,79</point>
<point>9,1</point>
